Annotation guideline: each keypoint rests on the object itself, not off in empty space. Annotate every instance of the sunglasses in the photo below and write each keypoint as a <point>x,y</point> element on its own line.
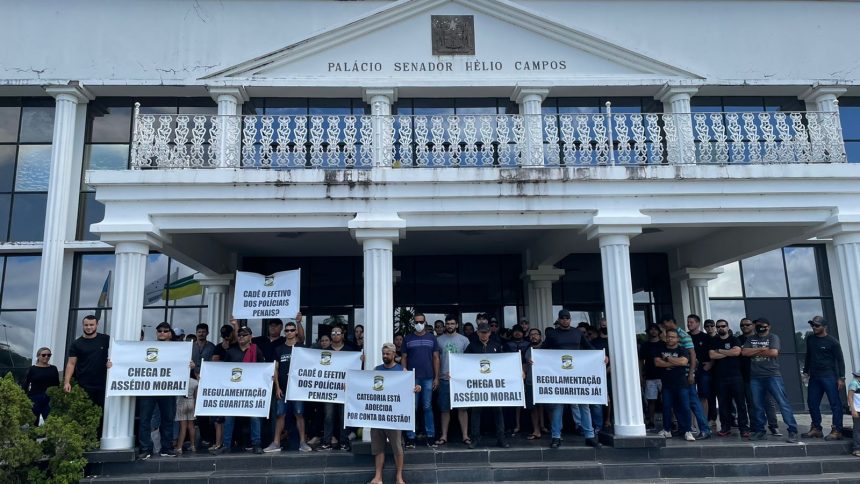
<point>336,334</point>
<point>722,326</point>
<point>289,331</point>
<point>46,355</point>
<point>816,325</point>
<point>162,330</point>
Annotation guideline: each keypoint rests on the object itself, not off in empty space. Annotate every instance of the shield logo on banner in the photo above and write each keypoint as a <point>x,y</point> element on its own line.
<point>325,358</point>
<point>566,362</point>
<point>378,383</point>
<point>236,375</point>
<point>485,366</point>
<point>269,281</point>
<point>151,355</point>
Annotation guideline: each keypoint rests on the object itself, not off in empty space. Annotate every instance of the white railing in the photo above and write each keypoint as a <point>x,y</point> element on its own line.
<point>504,140</point>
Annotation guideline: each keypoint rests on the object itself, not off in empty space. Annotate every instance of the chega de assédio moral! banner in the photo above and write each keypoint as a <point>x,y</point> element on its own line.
<point>152,368</point>
<point>489,380</point>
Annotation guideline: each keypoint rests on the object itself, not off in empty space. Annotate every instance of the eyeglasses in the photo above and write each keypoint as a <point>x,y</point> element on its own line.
<point>723,326</point>
<point>162,330</point>
<point>46,355</point>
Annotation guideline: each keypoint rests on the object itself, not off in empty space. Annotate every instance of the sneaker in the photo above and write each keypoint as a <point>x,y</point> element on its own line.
<point>249,448</point>
<point>219,450</point>
<point>472,444</point>
<point>593,442</point>
<point>745,434</point>
<point>257,449</point>
<point>689,437</point>
<point>314,441</point>
<point>431,443</point>
<point>410,443</point>
<point>834,435</point>
<point>324,447</point>
<point>555,444</point>
<point>272,448</point>
<point>759,436</point>
<point>665,434</point>
<point>724,433</point>
<point>351,436</point>
<point>304,447</point>
<point>345,447</point>
<point>167,453</point>
<point>814,433</point>
<point>792,438</point>
<point>144,455</point>
<point>501,443</point>
<point>703,436</point>
<point>775,432</point>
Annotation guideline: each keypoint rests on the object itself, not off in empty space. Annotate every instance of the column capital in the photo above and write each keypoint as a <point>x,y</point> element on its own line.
<point>626,224</point>
<point>237,92</point>
<point>820,92</point>
<point>371,92</point>
<point>74,89</point>
<point>543,274</point>
<point>842,227</point>
<point>697,277</point>
<point>213,282</point>
<point>377,226</point>
<point>151,239</point>
<point>669,93</point>
<point>520,93</point>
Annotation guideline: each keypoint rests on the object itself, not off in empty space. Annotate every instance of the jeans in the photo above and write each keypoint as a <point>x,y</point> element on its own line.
<point>475,423</point>
<point>328,423</point>
<point>732,391</point>
<point>696,407</point>
<point>773,385</point>
<point>229,422</point>
<point>818,386</point>
<point>677,399</point>
<point>856,434</point>
<point>425,399</point>
<point>596,417</point>
<point>584,419</point>
<point>167,409</point>
<point>770,408</point>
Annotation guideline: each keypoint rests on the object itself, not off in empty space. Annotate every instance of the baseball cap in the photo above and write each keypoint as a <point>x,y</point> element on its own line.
<point>244,330</point>
<point>483,327</point>
<point>563,313</point>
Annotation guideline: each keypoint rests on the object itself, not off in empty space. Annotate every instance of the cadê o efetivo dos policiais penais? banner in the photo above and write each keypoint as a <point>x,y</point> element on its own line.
<point>320,375</point>
<point>259,296</point>
<point>148,368</point>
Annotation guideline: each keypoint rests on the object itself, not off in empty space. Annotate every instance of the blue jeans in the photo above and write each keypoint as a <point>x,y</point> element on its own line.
<point>698,412</point>
<point>677,399</point>
<point>329,410</point>
<point>425,399</point>
<point>584,419</point>
<point>167,409</point>
<point>229,422</point>
<point>818,386</point>
<point>773,385</point>
<point>596,417</point>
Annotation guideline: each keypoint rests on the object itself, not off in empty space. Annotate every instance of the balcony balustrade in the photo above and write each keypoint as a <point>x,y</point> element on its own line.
<point>484,140</point>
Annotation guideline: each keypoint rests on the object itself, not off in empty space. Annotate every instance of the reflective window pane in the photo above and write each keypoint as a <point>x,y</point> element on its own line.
<point>95,276</point>
<point>9,116</point>
<point>187,319</point>
<point>28,217</point>
<point>804,310</point>
<point>16,341</point>
<point>92,211</point>
<point>7,167</point>
<point>5,206</point>
<point>727,284</point>
<point>20,282</point>
<point>732,310</point>
<point>106,157</point>
<point>110,124</point>
<point>37,124</point>
<point>802,271</point>
<point>764,275</point>
<point>34,168</point>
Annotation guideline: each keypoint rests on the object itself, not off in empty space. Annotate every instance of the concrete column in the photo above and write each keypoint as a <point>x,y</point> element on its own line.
<point>614,240</point>
<point>60,215</point>
<point>229,101</point>
<point>129,273</point>
<point>822,98</point>
<point>530,100</point>
<point>676,102</point>
<point>845,230</point>
<point>216,289</point>
<point>380,101</point>
<point>696,281</point>
<point>540,291</point>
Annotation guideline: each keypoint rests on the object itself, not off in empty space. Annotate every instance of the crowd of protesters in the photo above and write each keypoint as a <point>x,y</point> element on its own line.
<point>697,376</point>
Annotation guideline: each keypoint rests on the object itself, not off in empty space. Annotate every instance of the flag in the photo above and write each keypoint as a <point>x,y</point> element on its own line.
<point>154,291</point>
<point>182,288</point>
<point>103,297</point>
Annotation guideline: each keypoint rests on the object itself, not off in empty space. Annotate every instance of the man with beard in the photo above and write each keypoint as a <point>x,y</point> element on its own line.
<point>338,343</point>
<point>484,344</point>
<point>686,342</point>
<point>283,355</point>
<point>450,342</point>
<point>566,337</point>
<point>825,367</point>
<point>702,345</point>
<point>765,378</point>
<point>725,352</point>
<point>514,345</point>
<point>674,362</point>
<point>203,350</point>
<point>747,331</point>
<point>421,354</point>
<point>378,437</point>
<point>88,357</point>
<point>649,350</point>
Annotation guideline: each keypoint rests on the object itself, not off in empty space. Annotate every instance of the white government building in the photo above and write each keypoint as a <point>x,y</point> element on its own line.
<point>628,158</point>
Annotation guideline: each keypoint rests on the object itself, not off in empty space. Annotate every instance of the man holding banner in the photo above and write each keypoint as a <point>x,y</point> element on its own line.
<point>484,345</point>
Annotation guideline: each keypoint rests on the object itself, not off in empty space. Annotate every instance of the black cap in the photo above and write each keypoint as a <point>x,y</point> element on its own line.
<point>563,313</point>
<point>818,320</point>
<point>516,328</point>
<point>762,321</point>
<point>483,327</point>
<point>653,325</point>
<point>244,330</point>
<point>163,324</point>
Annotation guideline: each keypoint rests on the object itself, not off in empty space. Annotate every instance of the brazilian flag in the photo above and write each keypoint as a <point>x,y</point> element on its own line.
<point>182,288</point>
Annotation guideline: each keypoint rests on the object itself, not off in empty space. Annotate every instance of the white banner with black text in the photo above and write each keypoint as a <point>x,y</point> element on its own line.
<point>320,375</point>
<point>151,368</point>
<point>274,296</point>
<point>490,380</point>
<point>569,376</point>
<point>235,389</point>
<point>380,399</point>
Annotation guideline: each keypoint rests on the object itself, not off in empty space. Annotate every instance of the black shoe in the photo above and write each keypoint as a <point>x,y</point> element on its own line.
<point>144,455</point>
<point>775,432</point>
<point>257,449</point>
<point>325,446</point>
<point>410,443</point>
<point>703,436</point>
<point>555,444</point>
<point>473,444</point>
<point>759,436</point>
<point>431,443</point>
<point>592,442</point>
<point>167,453</point>
<point>501,443</point>
<point>792,438</point>
<point>220,450</point>
<point>345,447</point>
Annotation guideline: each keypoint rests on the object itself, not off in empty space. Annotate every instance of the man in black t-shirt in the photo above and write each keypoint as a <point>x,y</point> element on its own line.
<point>725,352</point>
<point>283,355</point>
<point>649,350</point>
<point>88,357</point>
<point>674,362</point>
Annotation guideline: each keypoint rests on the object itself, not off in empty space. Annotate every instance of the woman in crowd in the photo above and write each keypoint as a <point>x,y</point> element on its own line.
<point>185,414</point>
<point>39,378</point>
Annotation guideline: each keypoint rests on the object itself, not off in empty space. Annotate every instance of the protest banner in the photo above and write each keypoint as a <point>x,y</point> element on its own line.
<point>234,389</point>
<point>259,296</point>
<point>152,368</point>
<point>320,375</point>
<point>380,399</point>
<point>490,380</point>
<point>566,376</point>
